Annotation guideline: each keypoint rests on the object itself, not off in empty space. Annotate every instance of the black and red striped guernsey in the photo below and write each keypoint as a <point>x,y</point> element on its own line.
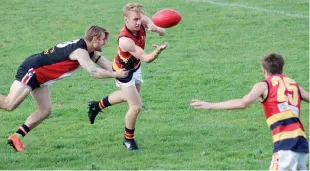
<point>54,63</point>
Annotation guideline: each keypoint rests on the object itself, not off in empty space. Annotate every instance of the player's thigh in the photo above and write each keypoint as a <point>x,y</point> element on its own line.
<point>137,76</point>
<point>18,92</point>
<point>42,97</point>
<point>284,160</point>
<point>138,87</point>
<point>302,161</point>
<point>136,80</point>
<point>132,95</point>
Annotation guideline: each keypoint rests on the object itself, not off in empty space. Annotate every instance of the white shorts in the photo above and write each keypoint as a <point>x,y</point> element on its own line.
<point>136,79</point>
<point>289,160</point>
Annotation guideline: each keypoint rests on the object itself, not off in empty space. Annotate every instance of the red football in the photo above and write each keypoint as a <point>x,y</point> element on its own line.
<point>166,18</point>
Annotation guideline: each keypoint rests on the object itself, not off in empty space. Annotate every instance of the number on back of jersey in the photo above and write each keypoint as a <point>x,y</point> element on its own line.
<point>64,44</point>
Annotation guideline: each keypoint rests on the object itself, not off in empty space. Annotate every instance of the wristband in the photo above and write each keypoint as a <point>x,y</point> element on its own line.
<point>97,59</point>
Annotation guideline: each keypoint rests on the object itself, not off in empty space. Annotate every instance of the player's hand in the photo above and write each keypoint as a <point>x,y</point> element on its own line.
<point>154,28</point>
<point>197,104</point>
<point>161,31</point>
<point>121,73</point>
<point>160,47</point>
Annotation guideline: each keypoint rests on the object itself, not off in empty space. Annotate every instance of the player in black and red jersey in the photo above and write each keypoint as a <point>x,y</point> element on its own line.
<point>131,42</point>
<point>40,70</point>
<point>280,98</point>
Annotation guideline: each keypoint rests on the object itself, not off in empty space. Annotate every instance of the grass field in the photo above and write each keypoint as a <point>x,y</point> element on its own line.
<point>214,54</point>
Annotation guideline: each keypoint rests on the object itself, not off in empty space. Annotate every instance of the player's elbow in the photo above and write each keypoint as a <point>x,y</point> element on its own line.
<point>162,33</point>
<point>243,104</point>
<point>93,73</point>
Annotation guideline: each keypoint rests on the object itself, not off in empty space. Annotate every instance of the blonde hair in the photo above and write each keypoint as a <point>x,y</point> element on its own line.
<point>133,7</point>
<point>95,31</point>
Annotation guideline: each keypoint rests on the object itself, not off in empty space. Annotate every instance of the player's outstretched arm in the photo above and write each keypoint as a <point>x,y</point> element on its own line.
<point>148,23</point>
<point>128,45</point>
<point>304,95</point>
<point>102,61</point>
<point>256,93</point>
<point>83,57</point>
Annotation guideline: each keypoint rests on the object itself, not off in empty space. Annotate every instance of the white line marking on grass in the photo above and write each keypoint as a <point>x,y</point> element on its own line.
<point>250,8</point>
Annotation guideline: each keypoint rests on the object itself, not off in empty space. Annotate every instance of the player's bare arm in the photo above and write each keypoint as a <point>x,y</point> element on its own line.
<point>148,23</point>
<point>101,61</point>
<point>83,57</point>
<point>256,93</point>
<point>128,45</point>
<point>304,95</point>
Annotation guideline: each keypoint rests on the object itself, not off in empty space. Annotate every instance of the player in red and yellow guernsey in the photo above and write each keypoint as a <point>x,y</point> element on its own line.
<point>125,59</point>
<point>131,42</point>
<point>280,98</point>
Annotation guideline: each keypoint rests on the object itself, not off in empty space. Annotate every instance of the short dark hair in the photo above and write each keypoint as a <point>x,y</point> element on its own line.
<point>95,31</point>
<point>273,63</point>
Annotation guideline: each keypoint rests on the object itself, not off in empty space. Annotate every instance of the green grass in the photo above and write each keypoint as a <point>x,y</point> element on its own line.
<point>213,54</point>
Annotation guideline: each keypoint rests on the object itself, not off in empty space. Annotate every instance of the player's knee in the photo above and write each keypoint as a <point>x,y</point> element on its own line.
<point>136,108</point>
<point>10,105</point>
<point>10,108</point>
<point>46,111</point>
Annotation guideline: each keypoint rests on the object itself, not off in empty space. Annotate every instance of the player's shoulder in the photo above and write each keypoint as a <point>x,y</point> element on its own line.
<point>290,80</point>
<point>261,85</point>
<point>124,31</point>
<point>71,45</point>
<point>125,42</point>
<point>126,39</point>
<point>262,89</point>
<point>80,52</point>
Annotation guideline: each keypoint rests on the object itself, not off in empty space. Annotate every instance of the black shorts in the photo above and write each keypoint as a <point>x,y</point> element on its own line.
<point>27,76</point>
